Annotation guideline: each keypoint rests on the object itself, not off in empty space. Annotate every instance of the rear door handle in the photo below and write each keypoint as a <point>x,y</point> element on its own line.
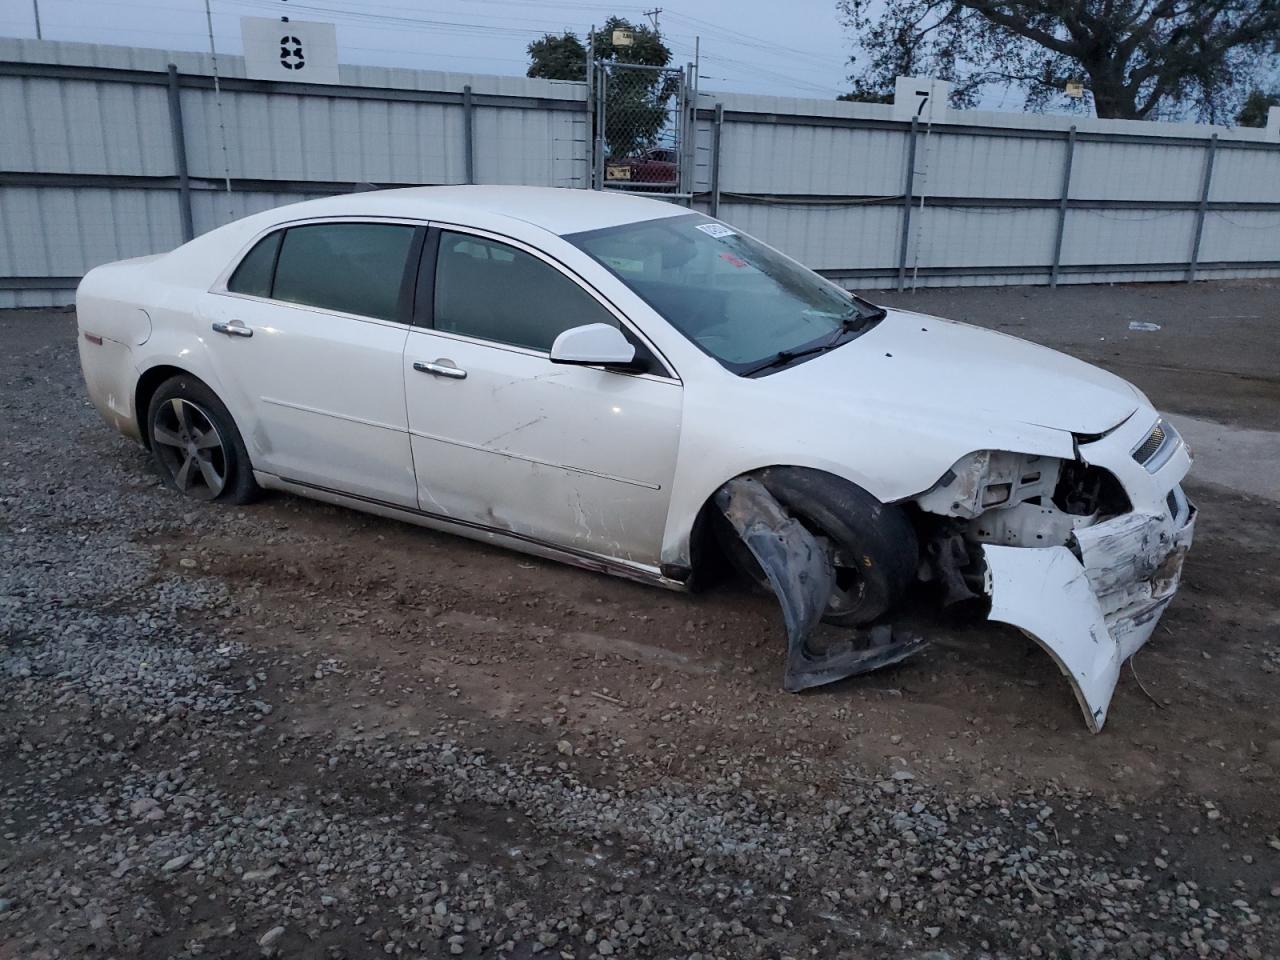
<point>441,368</point>
<point>235,328</point>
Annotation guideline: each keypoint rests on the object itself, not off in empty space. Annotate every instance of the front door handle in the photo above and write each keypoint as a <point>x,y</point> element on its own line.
<point>235,328</point>
<point>441,368</point>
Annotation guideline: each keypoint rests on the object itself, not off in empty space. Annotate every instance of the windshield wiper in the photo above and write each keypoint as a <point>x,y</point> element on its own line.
<point>853,322</point>
<point>783,357</point>
<point>848,324</point>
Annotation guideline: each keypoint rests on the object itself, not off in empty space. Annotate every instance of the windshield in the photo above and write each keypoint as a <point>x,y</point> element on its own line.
<point>746,305</point>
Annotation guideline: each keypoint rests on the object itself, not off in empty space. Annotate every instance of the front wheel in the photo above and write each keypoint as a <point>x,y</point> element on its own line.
<point>873,545</point>
<point>196,445</point>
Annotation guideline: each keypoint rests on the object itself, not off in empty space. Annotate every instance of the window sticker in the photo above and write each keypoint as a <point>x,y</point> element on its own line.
<point>625,264</point>
<point>730,258</point>
<point>717,230</point>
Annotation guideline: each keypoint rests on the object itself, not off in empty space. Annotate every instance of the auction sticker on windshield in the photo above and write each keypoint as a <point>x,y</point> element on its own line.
<point>717,230</point>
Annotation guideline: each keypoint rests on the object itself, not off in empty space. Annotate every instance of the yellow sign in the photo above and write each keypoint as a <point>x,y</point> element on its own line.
<point>623,38</point>
<point>1075,90</point>
<point>617,172</point>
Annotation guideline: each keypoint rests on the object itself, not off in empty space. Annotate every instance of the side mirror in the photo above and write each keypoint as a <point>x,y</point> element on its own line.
<point>593,344</point>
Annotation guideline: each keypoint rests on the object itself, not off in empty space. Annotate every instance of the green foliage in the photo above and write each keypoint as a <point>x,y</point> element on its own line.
<point>1256,107</point>
<point>558,58</point>
<point>1138,59</point>
<point>636,100</point>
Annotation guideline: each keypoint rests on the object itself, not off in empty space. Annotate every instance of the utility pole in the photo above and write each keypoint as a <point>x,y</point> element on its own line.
<point>653,17</point>
<point>35,6</point>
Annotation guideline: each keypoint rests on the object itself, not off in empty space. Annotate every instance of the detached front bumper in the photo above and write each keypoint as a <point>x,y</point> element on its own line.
<point>1092,614</point>
<point>1093,603</point>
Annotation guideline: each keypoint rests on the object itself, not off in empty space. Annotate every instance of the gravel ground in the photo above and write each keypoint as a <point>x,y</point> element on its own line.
<point>290,729</point>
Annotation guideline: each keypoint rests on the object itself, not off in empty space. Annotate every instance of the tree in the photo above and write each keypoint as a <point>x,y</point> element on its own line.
<point>558,58</point>
<point>636,101</point>
<point>1138,59</point>
<point>1256,107</point>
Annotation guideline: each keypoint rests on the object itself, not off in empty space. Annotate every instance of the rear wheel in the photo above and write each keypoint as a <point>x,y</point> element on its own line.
<point>196,445</point>
<point>873,545</point>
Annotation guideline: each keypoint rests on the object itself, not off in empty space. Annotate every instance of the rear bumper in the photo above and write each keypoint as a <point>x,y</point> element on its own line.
<point>1092,611</point>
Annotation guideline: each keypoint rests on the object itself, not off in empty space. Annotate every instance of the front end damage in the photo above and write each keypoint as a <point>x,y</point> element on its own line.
<point>800,569</point>
<point>1083,555</point>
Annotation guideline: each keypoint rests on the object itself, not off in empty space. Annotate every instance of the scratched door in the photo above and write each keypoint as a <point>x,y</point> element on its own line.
<point>580,457</point>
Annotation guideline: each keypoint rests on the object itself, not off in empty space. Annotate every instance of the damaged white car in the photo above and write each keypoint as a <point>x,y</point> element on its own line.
<point>632,387</point>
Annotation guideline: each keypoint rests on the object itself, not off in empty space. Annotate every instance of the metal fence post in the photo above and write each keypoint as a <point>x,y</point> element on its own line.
<point>180,155</point>
<point>468,124</point>
<point>906,205</point>
<point>1204,205</point>
<point>1062,205</point>
<point>591,106</point>
<point>716,124</point>
<point>602,95</point>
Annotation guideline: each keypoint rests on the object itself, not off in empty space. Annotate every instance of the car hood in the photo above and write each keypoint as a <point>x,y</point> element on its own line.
<point>954,367</point>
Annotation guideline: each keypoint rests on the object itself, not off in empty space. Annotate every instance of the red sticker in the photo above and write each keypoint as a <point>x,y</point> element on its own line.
<point>736,261</point>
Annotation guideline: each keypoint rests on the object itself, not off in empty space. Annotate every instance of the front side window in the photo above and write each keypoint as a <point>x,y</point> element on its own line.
<point>739,301</point>
<point>351,267</point>
<point>493,291</point>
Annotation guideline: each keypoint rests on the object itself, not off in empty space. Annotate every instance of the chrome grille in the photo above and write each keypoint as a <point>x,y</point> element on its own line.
<point>1147,449</point>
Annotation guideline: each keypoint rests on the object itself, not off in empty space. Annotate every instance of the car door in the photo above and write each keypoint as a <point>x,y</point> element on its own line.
<point>307,337</point>
<point>579,457</point>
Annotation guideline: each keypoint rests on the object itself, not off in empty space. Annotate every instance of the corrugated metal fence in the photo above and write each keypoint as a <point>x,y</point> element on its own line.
<point>987,198</point>
<point>111,152</point>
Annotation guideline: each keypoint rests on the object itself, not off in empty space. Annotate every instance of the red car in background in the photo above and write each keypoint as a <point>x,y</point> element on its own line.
<point>658,167</point>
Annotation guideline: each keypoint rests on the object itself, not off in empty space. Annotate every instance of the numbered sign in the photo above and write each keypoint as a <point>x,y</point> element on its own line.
<point>303,51</point>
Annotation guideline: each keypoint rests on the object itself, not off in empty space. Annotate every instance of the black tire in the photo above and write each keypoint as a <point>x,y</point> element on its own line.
<point>196,445</point>
<point>875,544</point>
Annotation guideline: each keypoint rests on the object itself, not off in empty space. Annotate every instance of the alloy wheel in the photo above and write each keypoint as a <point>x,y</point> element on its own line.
<point>189,446</point>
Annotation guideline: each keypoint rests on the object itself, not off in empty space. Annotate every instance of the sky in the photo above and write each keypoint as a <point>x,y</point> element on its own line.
<point>793,48</point>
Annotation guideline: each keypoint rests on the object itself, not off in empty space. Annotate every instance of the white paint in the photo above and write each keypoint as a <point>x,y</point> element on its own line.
<point>300,51</point>
<point>607,467</point>
<point>1093,613</point>
<point>596,343</point>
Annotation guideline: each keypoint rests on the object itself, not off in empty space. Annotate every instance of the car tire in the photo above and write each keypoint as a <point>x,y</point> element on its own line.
<point>874,543</point>
<point>195,443</point>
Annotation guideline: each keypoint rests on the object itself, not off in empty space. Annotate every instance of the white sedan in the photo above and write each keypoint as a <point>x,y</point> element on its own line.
<point>630,386</point>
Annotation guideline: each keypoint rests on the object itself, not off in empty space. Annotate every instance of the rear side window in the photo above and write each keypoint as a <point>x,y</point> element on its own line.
<point>492,291</point>
<point>253,276</point>
<point>352,267</point>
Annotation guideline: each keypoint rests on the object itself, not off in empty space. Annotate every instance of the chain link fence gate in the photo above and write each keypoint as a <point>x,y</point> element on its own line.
<point>640,121</point>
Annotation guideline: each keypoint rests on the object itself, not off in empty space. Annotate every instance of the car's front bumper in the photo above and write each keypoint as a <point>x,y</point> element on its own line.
<point>1092,604</point>
<point>1092,614</point>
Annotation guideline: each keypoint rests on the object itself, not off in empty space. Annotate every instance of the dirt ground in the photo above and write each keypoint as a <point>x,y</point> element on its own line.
<point>363,636</point>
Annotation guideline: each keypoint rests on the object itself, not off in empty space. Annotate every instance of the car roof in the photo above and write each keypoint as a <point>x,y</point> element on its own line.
<point>560,210</point>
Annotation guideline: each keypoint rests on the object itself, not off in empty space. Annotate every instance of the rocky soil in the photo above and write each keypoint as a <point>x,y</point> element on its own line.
<point>293,730</point>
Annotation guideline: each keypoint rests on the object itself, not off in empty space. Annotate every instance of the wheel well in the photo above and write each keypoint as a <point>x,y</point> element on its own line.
<point>707,555</point>
<point>148,384</point>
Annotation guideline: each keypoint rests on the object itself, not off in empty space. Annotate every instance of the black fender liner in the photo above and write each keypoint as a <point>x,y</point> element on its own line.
<point>800,571</point>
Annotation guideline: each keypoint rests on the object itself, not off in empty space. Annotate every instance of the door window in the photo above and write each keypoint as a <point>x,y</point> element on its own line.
<point>351,267</point>
<point>253,276</point>
<point>493,291</point>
